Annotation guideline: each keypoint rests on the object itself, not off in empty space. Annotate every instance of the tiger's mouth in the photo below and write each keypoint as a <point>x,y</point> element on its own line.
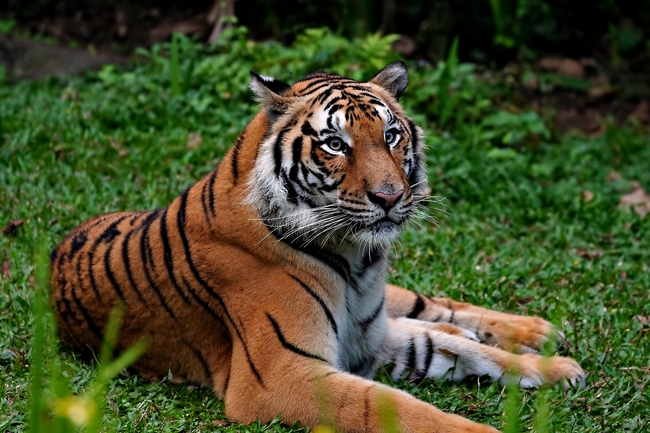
<point>384,226</point>
<point>384,223</point>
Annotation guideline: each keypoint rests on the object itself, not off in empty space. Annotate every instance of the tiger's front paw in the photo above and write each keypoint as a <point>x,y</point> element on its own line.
<point>518,334</point>
<point>533,370</point>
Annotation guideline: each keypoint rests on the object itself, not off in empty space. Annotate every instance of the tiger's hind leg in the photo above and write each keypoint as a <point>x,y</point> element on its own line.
<point>515,333</point>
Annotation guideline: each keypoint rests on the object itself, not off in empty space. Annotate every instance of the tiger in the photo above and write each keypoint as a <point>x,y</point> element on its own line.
<point>266,280</point>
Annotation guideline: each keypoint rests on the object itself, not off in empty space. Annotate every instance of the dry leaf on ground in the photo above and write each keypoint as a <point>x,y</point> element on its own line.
<point>589,254</point>
<point>12,226</point>
<point>5,269</point>
<point>614,176</point>
<point>562,65</point>
<point>637,199</point>
<point>645,320</point>
<point>194,140</point>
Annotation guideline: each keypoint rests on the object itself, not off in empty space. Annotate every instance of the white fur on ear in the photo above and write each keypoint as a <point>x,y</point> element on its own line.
<point>268,92</point>
<point>394,78</point>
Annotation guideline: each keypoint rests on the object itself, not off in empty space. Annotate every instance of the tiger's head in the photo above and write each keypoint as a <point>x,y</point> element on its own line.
<point>340,161</point>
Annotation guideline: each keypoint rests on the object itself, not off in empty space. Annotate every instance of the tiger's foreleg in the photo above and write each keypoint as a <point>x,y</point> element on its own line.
<point>418,352</point>
<point>312,392</point>
<point>512,332</point>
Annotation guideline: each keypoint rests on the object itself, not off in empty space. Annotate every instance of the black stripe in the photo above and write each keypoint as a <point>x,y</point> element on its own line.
<point>62,284</point>
<point>318,175</point>
<point>296,147</point>
<point>202,361</point>
<point>54,254</point>
<point>89,320</point>
<point>148,253</point>
<point>318,299</point>
<point>337,84</point>
<point>204,203</point>
<point>206,286</point>
<point>429,357</point>
<point>362,367</point>
<point>335,261</point>
<point>374,256</point>
<point>212,180</point>
<point>324,96</point>
<point>134,219</point>
<point>109,272</point>
<point>226,383</point>
<point>354,210</point>
<point>209,202</point>
<point>235,158</point>
<point>201,302</point>
<point>449,307</point>
<point>107,236</point>
<point>417,308</point>
<point>62,281</point>
<point>292,194</point>
<point>325,79</point>
<point>78,242</point>
<point>365,323</point>
<point>144,247</point>
<point>308,130</point>
<point>277,152</point>
<point>331,101</point>
<point>366,405</point>
<point>411,355</point>
<point>127,265</point>
<point>416,152</point>
<point>288,345</point>
<point>111,232</point>
<point>167,254</point>
<point>70,335</point>
<point>334,108</point>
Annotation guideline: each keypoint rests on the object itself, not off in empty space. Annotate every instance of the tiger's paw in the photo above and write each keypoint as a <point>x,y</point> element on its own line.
<point>518,334</point>
<point>533,370</point>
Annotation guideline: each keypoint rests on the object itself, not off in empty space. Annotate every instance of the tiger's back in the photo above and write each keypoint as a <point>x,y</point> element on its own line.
<point>157,266</point>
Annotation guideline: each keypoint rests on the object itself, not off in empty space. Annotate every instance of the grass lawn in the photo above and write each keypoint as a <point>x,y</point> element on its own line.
<point>532,223</point>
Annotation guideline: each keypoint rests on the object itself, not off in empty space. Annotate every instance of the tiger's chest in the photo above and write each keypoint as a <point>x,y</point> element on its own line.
<point>364,318</point>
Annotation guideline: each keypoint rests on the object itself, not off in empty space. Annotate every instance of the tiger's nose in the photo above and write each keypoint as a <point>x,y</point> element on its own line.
<point>385,201</point>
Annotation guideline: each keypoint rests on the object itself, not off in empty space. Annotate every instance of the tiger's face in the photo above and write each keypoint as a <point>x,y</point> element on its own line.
<point>341,162</point>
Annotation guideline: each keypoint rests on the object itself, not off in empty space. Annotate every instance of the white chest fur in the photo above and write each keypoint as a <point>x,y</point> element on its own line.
<point>362,317</point>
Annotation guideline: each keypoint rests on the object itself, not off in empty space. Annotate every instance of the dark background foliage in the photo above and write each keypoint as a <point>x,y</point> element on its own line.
<point>491,31</point>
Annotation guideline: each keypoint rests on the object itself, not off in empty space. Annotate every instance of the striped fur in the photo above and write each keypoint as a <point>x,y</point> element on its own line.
<point>266,280</point>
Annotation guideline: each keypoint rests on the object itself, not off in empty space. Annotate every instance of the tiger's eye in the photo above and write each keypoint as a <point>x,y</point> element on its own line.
<point>336,145</point>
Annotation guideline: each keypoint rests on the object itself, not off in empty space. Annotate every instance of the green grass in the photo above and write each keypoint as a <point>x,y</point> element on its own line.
<point>514,239</point>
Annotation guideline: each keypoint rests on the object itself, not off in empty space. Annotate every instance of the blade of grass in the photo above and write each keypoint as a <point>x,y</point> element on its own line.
<point>174,75</point>
<point>388,416</point>
<point>107,369</point>
<point>542,396</point>
<point>513,401</point>
<point>39,343</point>
<point>445,81</point>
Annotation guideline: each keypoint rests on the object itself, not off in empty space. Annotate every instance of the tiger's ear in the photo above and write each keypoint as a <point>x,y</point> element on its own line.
<point>394,78</point>
<point>268,93</point>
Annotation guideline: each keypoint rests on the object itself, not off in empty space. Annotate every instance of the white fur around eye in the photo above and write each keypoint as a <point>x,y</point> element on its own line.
<point>392,136</point>
<point>331,146</point>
